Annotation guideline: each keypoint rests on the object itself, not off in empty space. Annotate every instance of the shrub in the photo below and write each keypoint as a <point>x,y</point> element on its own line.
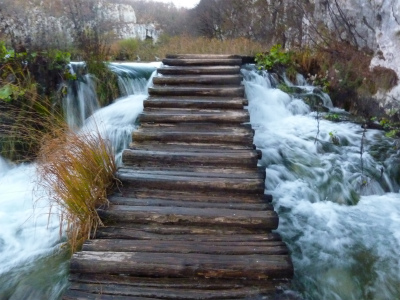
<point>78,171</point>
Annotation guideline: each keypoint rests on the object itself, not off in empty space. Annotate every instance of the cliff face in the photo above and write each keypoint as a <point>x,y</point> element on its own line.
<point>372,24</point>
<point>39,24</point>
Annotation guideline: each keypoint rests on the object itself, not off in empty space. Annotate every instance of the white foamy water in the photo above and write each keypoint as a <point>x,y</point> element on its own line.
<point>340,221</point>
<point>33,264</point>
<point>29,233</point>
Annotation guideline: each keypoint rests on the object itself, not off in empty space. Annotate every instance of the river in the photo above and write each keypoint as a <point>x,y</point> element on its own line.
<point>339,210</point>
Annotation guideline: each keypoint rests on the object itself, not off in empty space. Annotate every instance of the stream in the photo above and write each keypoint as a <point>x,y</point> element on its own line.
<point>339,210</point>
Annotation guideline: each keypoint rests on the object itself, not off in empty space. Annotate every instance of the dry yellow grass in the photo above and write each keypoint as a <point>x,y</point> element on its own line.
<point>147,51</point>
<point>78,171</point>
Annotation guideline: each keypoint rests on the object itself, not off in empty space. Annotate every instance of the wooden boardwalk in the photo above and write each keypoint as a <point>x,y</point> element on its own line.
<point>191,220</point>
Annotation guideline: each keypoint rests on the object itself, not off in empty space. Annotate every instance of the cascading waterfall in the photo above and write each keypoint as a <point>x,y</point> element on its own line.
<point>81,100</point>
<point>340,220</point>
<point>33,263</point>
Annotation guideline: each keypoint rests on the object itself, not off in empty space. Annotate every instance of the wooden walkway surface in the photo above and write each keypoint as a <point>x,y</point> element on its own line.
<point>191,220</point>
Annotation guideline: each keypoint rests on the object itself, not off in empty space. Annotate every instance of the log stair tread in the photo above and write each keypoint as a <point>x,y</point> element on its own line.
<point>196,70</point>
<point>166,115</point>
<point>195,102</point>
<point>190,219</point>
<point>211,80</point>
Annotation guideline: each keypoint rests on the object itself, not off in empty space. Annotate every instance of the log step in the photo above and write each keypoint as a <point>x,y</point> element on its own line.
<point>206,247</point>
<point>199,80</point>
<point>98,291</point>
<point>198,134</point>
<point>118,200</point>
<point>170,180</point>
<point>253,267</point>
<point>194,216</point>
<point>195,102</point>
<point>189,233</point>
<point>232,158</point>
<point>193,170</point>
<point>212,197</point>
<point>214,91</point>
<point>202,61</point>
<point>202,56</point>
<point>194,70</point>
<point>170,115</point>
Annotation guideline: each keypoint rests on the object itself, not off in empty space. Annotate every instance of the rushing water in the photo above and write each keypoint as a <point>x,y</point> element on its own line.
<point>339,211</point>
<point>33,263</point>
<point>339,214</point>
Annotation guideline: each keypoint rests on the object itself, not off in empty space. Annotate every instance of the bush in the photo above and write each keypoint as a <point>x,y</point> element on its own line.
<point>78,171</point>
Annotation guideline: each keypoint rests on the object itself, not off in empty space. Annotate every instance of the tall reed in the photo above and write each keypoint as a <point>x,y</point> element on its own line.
<point>78,171</point>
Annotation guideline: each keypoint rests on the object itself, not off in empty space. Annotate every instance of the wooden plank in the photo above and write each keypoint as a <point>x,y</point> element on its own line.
<point>245,159</point>
<point>255,266</point>
<point>168,115</point>
<point>179,195</point>
<point>202,56</point>
<point>237,91</point>
<point>172,283</point>
<point>154,246</point>
<point>168,181</point>
<point>189,233</point>
<point>199,127</point>
<point>84,295</point>
<point>164,293</point>
<point>195,70</point>
<point>116,200</point>
<point>194,216</point>
<point>202,62</point>
<point>195,102</point>
<point>199,80</point>
<point>194,171</point>
<point>194,136</point>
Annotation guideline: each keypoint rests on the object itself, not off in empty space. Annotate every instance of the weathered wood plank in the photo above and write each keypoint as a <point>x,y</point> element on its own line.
<point>163,293</point>
<point>116,200</point>
<point>169,115</point>
<point>202,56</point>
<point>229,248</point>
<point>197,91</point>
<point>174,181</point>
<point>199,80</point>
<point>187,233</point>
<point>245,159</point>
<point>84,295</point>
<point>220,137</point>
<point>194,171</point>
<point>172,283</point>
<point>195,70</point>
<point>195,102</point>
<point>255,266</point>
<point>180,195</point>
<point>184,215</point>
<point>202,62</point>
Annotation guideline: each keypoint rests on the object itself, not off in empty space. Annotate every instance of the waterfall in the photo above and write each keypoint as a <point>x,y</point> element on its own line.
<point>81,100</point>
<point>339,217</point>
<point>33,263</point>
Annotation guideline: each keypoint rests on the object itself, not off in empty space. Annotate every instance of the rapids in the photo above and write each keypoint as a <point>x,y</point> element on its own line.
<point>339,211</point>
<point>339,217</point>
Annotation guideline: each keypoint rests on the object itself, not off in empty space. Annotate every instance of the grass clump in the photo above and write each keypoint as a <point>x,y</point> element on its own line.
<point>78,171</point>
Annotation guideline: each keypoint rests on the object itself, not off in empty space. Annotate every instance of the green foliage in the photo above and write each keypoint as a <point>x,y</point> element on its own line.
<point>392,133</point>
<point>275,57</point>
<point>332,117</point>
<point>107,84</point>
<point>334,138</point>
